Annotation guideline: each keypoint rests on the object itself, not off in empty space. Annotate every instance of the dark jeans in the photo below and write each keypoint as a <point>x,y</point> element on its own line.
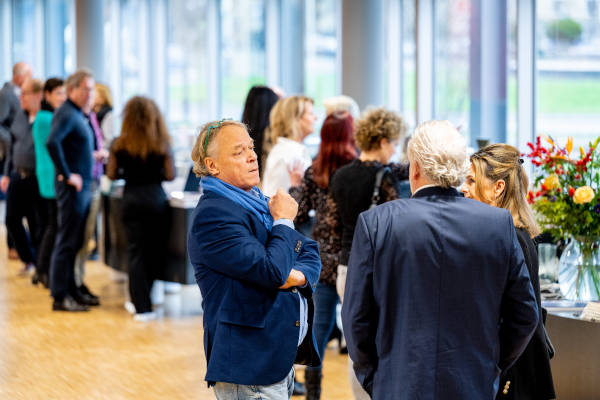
<point>326,299</point>
<point>146,218</point>
<point>72,207</point>
<point>49,228</point>
<point>23,200</point>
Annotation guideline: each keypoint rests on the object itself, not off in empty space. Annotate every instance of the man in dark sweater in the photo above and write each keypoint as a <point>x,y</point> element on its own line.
<point>70,145</point>
<point>19,180</point>
<point>9,106</point>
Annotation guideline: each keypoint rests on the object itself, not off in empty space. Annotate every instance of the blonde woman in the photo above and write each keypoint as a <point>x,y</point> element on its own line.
<point>497,178</point>
<point>103,107</point>
<point>291,120</point>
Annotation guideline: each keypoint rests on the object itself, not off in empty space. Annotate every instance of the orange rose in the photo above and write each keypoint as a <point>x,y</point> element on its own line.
<point>583,194</point>
<point>552,182</point>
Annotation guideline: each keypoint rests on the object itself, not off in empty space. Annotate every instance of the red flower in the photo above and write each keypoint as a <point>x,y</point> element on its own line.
<point>571,191</point>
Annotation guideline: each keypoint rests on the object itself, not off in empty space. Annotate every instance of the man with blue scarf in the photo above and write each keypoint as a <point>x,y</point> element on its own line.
<point>255,272</point>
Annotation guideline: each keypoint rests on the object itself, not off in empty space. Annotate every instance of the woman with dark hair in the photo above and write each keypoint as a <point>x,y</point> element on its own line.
<point>497,178</point>
<point>142,156</point>
<point>259,102</point>
<point>336,150</point>
<point>55,94</point>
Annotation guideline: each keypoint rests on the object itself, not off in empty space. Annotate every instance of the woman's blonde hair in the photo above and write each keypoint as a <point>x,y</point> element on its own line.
<point>104,92</point>
<point>376,124</point>
<point>502,161</point>
<point>205,146</point>
<point>144,130</point>
<point>285,117</point>
<point>441,152</point>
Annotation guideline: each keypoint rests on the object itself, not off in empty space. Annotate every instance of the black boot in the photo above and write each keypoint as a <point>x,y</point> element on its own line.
<point>312,378</point>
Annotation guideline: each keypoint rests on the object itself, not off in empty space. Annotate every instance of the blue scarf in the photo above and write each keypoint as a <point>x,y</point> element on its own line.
<point>257,203</point>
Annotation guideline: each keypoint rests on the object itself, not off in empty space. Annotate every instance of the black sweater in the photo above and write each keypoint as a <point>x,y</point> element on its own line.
<point>351,189</point>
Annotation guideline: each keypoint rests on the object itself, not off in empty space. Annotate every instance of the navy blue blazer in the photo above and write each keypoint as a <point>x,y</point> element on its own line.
<point>438,299</point>
<point>71,142</point>
<point>251,328</point>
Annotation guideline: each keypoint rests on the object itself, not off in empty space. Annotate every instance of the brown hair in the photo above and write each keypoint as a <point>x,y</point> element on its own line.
<point>144,130</point>
<point>37,85</point>
<point>502,161</point>
<point>200,151</point>
<point>376,124</point>
<point>285,115</point>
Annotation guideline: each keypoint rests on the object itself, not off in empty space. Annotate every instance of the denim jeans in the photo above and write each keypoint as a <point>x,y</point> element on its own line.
<point>326,299</point>
<point>278,391</point>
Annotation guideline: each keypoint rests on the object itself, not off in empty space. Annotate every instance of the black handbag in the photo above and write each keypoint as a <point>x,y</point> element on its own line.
<point>377,187</point>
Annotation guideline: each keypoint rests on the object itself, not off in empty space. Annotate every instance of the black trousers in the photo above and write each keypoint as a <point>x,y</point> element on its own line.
<point>72,209</point>
<point>23,201</point>
<point>49,228</point>
<point>147,220</point>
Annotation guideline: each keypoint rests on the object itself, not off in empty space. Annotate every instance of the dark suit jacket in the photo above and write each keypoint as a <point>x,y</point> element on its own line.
<point>71,142</point>
<point>9,107</point>
<point>251,328</point>
<point>438,299</point>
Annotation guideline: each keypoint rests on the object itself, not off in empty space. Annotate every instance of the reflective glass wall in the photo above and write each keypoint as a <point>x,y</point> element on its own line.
<point>198,58</point>
<point>568,69</point>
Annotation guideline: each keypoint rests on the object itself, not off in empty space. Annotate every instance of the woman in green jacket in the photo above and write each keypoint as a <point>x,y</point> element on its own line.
<point>54,95</point>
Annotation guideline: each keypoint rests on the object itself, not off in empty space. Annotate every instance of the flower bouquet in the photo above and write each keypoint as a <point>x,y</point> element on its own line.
<point>566,199</point>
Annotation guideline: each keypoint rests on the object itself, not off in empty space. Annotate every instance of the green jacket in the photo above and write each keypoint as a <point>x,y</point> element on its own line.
<point>44,168</point>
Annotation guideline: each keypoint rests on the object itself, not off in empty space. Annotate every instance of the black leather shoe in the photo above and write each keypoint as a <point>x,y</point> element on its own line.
<point>68,304</point>
<point>83,289</point>
<point>84,298</point>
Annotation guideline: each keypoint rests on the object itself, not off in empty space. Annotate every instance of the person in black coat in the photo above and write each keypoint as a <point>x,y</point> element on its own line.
<point>497,178</point>
<point>438,300</point>
<point>142,156</point>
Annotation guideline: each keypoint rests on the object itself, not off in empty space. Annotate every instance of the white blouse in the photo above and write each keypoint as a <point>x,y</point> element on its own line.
<point>283,156</point>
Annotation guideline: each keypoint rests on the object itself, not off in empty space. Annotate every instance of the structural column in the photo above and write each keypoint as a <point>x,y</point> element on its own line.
<point>363,51</point>
<point>488,71</point>
<point>89,36</point>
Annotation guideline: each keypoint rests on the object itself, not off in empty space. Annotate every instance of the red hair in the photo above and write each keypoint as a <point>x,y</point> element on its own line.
<point>337,146</point>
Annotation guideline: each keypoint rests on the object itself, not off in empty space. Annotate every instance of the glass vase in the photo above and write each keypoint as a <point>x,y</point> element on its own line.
<point>579,269</point>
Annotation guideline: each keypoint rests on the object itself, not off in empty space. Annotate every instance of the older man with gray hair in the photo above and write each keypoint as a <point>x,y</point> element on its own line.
<point>438,299</point>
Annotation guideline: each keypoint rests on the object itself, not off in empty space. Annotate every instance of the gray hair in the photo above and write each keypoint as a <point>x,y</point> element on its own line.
<point>75,79</point>
<point>441,152</point>
<point>205,147</point>
<point>341,103</point>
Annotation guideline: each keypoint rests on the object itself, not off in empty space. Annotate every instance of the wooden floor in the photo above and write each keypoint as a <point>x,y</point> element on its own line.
<point>104,354</point>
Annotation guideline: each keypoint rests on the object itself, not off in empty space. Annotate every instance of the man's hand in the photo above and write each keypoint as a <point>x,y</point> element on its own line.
<point>282,205</point>
<point>75,181</point>
<point>296,278</point>
<point>4,183</point>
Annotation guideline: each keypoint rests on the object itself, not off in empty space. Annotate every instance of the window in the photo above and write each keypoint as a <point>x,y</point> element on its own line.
<point>321,72</point>
<point>134,48</point>
<point>568,70</point>
<point>187,70</point>
<point>27,34</point>
<point>243,58</point>
<point>451,62</point>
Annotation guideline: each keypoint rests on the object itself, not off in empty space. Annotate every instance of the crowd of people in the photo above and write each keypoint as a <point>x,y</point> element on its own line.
<point>439,287</point>
<point>56,139</point>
